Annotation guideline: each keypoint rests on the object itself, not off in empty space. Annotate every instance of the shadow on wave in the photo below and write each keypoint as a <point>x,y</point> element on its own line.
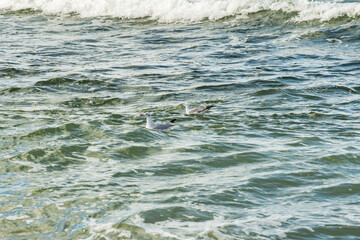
<point>65,83</point>
<point>55,159</point>
<point>17,72</point>
<point>136,152</point>
<point>93,102</point>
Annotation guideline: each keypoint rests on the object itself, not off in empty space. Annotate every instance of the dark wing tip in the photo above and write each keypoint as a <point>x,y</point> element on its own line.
<point>209,106</point>
<point>172,121</point>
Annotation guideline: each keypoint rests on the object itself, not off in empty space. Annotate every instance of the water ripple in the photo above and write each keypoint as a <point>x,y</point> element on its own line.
<point>271,160</point>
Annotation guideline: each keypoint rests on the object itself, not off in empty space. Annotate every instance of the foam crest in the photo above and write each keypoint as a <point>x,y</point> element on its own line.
<point>187,10</point>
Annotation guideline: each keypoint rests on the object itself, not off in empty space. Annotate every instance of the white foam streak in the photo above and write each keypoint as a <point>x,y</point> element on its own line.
<point>187,10</point>
<point>327,11</point>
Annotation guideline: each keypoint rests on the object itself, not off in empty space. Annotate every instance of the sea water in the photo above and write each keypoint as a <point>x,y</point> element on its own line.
<point>277,157</point>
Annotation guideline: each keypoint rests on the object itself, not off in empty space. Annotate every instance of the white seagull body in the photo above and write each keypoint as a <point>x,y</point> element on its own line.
<point>157,126</point>
<point>196,110</point>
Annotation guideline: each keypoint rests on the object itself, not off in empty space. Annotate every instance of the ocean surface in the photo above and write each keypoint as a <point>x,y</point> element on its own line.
<point>277,157</point>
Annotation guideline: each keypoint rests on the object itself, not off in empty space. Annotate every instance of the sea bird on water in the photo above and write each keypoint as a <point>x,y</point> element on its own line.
<point>157,126</point>
<point>196,110</point>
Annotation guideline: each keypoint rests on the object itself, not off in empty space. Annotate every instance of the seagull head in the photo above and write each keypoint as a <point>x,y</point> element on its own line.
<point>145,115</point>
<point>185,104</point>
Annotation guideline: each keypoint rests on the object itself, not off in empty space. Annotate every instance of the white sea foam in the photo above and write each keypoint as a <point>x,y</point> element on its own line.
<point>17,217</point>
<point>215,229</point>
<point>187,10</point>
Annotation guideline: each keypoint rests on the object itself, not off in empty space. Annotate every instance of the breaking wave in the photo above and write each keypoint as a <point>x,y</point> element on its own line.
<point>189,10</point>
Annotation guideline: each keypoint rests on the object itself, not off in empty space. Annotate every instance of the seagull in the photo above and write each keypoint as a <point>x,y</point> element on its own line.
<point>157,126</point>
<point>196,110</point>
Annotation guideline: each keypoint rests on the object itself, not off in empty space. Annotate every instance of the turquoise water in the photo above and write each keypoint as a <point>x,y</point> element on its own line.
<point>277,157</point>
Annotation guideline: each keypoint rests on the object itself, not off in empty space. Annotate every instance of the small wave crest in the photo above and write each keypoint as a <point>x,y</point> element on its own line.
<point>188,10</point>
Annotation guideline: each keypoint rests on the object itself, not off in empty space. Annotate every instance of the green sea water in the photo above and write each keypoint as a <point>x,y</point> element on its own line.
<point>277,157</point>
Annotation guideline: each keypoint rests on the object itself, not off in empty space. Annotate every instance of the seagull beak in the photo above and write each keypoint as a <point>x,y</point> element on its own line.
<point>142,115</point>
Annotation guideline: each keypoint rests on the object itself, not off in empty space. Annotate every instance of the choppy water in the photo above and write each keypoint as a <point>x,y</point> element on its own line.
<point>276,158</point>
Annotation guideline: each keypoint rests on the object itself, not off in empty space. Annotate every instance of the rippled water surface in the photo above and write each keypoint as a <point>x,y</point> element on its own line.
<point>277,157</point>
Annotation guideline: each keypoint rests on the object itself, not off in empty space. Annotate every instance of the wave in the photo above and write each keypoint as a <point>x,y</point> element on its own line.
<point>189,10</point>
<point>15,72</point>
